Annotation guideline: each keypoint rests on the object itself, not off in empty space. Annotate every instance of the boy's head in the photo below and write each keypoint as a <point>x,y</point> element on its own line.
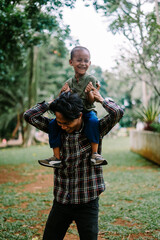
<point>80,60</point>
<point>68,108</point>
<point>78,48</point>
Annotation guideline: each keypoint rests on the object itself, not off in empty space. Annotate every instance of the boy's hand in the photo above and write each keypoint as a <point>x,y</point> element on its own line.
<point>89,87</point>
<point>65,88</point>
<point>88,91</point>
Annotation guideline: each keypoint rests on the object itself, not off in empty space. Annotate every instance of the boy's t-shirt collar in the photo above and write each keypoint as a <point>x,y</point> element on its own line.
<point>82,77</point>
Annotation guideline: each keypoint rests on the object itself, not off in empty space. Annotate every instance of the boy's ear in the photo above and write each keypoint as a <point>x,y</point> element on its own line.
<point>70,62</point>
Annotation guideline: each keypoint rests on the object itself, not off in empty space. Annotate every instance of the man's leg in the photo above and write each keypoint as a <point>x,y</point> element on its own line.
<point>86,218</point>
<point>58,222</point>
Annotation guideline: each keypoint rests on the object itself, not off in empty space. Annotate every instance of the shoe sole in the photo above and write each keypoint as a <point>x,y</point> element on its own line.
<point>49,165</point>
<point>103,162</point>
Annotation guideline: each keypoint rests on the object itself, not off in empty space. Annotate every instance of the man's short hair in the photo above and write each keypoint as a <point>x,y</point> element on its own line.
<point>78,48</point>
<point>68,104</point>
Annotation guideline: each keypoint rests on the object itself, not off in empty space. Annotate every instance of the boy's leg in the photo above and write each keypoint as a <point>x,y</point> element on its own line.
<point>56,152</point>
<point>91,127</point>
<point>55,143</point>
<point>92,133</point>
<point>94,147</point>
<point>54,134</point>
<point>58,222</point>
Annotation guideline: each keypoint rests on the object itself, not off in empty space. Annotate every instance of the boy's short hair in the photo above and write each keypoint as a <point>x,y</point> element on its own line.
<point>68,104</point>
<point>78,48</point>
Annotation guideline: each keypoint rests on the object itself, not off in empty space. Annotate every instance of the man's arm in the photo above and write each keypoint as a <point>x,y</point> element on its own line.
<point>34,116</point>
<point>114,116</point>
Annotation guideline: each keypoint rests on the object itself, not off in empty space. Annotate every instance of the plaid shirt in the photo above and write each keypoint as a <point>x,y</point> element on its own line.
<point>77,181</point>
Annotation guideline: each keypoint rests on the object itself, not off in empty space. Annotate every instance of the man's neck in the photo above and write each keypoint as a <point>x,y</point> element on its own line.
<point>79,126</point>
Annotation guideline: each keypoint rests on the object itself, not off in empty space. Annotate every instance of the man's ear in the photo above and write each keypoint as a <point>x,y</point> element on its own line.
<point>70,62</point>
<point>81,114</point>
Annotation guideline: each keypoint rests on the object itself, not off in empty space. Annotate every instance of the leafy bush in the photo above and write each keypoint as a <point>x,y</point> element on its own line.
<point>156,127</point>
<point>149,115</point>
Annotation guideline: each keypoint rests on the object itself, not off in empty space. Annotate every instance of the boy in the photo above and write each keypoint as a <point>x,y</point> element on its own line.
<point>82,84</point>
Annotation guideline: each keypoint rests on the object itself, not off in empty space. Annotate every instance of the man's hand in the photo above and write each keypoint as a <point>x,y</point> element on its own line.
<point>97,95</point>
<point>98,85</point>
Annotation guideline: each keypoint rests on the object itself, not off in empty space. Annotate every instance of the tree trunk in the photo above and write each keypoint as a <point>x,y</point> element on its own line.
<point>157,12</point>
<point>144,94</point>
<point>32,93</point>
<point>16,127</point>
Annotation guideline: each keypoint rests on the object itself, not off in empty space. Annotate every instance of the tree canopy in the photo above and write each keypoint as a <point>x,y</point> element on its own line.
<point>141,29</point>
<point>25,25</point>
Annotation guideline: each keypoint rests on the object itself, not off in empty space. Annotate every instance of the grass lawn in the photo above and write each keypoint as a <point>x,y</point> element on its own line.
<point>129,208</point>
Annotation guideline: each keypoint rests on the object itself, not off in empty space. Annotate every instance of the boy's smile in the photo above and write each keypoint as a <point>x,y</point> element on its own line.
<point>80,62</point>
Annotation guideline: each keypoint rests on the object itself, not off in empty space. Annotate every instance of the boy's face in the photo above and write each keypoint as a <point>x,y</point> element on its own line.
<point>80,61</point>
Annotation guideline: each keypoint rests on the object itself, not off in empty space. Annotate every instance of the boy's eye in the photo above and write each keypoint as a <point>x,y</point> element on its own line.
<point>80,60</point>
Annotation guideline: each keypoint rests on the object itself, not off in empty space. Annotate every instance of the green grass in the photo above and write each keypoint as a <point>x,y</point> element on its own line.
<point>130,206</point>
<point>20,155</point>
<point>132,195</point>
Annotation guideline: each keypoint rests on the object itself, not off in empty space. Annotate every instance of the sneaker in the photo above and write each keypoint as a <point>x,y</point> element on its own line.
<point>51,162</point>
<point>97,159</point>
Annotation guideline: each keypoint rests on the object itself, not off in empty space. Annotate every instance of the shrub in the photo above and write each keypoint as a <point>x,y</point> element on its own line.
<point>149,115</point>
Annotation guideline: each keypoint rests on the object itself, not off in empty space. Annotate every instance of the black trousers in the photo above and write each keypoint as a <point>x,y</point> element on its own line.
<point>61,216</point>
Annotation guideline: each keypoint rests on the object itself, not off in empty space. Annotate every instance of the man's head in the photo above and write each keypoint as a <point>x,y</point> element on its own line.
<point>80,60</point>
<point>68,109</point>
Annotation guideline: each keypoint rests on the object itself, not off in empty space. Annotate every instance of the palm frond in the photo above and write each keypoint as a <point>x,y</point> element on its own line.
<point>148,114</point>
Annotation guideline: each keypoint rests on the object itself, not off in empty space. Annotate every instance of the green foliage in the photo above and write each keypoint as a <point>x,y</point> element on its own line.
<point>148,114</point>
<point>12,102</point>
<point>155,126</point>
<point>19,24</point>
<point>142,31</point>
<point>98,73</point>
<point>122,88</point>
<point>52,69</point>
<point>25,24</point>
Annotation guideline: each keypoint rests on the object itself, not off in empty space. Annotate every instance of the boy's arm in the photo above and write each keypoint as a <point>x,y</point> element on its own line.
<point>65,88</point>
<point>34,116</point>
<point>114,116</point>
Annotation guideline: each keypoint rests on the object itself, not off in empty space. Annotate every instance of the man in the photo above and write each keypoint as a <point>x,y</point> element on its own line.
<point>77,183</point>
